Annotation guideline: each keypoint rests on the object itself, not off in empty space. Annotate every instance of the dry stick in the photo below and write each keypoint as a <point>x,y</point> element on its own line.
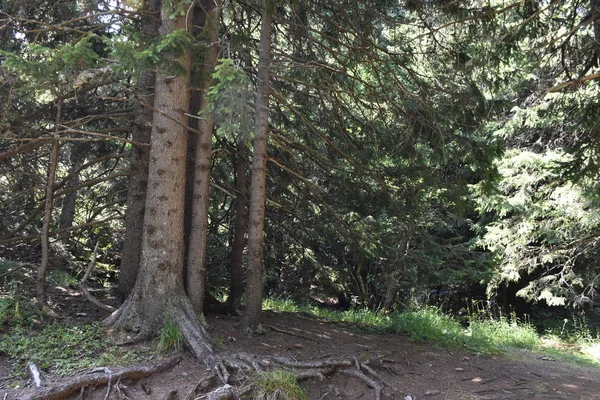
<point>83,287</point>
<point>29,146</point>
<point>101,378</point>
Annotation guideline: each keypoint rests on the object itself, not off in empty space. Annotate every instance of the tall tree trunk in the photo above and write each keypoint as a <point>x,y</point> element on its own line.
<point>67,212</point>
<point>595,6</point>
<point>159,292</point>
<point>42,297</point>
<point>195,271</point>
<point>258,194</point>
<point>138,171</point>
<point>236,284</point>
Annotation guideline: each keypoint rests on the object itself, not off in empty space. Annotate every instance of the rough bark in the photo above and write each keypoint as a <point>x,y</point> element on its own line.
<point>67,212</point>
<point>43,270</point>
<point>236,284</point>
<point>159,290</point>
<point>138,171</point>
<point>256,221</point>
<point>595,6</point>
<point>195,271</point>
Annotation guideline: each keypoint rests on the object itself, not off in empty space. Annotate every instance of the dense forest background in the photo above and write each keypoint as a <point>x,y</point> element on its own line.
<point>358,154</point>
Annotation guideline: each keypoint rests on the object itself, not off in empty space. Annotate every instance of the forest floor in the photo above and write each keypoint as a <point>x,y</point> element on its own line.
<point>421,371</point>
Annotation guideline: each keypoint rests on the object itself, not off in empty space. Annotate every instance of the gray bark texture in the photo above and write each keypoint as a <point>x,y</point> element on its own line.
<point>258,194</point>
<point>67,212</point>
<point>195,271</point>
<point>159,293</point>
<point>236,284</point>
<point>138,171</point>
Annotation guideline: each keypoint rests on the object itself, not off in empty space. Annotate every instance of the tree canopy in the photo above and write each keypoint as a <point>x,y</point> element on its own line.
<point>366,151</point>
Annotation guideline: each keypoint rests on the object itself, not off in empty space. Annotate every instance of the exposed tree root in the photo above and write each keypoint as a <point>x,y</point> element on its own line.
<point>242,365</point>
<point>101,378</point>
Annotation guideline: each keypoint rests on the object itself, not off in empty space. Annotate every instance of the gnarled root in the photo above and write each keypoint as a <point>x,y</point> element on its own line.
<point>106,377</point>
<point>242,364</point>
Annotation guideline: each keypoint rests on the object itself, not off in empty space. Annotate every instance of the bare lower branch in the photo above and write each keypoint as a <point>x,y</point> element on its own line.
<point>83,284</point>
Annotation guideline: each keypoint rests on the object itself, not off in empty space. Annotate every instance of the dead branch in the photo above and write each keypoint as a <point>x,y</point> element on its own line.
<point>573,84</point>
<point>101,378</point>
<point>83,284</point>
<point>17,268</point>
<point>29,146</point>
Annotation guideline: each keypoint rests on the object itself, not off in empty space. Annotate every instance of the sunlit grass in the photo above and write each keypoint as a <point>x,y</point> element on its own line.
<point>429,324</point>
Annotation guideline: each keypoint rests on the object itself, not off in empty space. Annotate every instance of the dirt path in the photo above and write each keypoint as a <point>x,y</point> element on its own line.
<point>417,370</point>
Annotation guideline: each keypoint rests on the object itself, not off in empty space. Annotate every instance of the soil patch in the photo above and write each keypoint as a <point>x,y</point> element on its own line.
<point>409,369</point>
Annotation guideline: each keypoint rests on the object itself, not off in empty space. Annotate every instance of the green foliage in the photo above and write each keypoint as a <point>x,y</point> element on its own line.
<point>490,335</point>
<point>64,279</point>
<point>230,100</point>
<point>277,385</point>
<point>44,69</point>
<point>140,53</point>
<point>57,348</point>
<point>542,228</point>
<point>427,324</point>
<point>16,309</point>
<point>170,338</point>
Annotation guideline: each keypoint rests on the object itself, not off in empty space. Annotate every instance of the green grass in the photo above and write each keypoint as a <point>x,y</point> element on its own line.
<point>277,385</point>
<point>57,348</point>
<point>429,324</point>
<point>170,338</point>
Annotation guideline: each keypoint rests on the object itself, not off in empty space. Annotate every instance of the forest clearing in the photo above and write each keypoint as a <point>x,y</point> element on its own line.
<point>266,199</point>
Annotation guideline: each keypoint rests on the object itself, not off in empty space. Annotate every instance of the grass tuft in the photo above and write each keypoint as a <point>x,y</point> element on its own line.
<point>277,385</point>
<point>170,338</point>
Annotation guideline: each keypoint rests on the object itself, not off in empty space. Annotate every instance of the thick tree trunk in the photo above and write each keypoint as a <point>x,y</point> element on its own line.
<point>158,292</point>
<point>236,283</point>
<point>258,194</point>
<point>195,271</point>
<point>138,171</point>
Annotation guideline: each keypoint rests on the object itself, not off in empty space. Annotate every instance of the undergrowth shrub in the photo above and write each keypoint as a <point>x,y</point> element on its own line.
<point>490,335</point>
<point>427,324</point>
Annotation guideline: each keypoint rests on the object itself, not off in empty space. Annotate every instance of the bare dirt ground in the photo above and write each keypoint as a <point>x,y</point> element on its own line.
<point>421,371</point>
